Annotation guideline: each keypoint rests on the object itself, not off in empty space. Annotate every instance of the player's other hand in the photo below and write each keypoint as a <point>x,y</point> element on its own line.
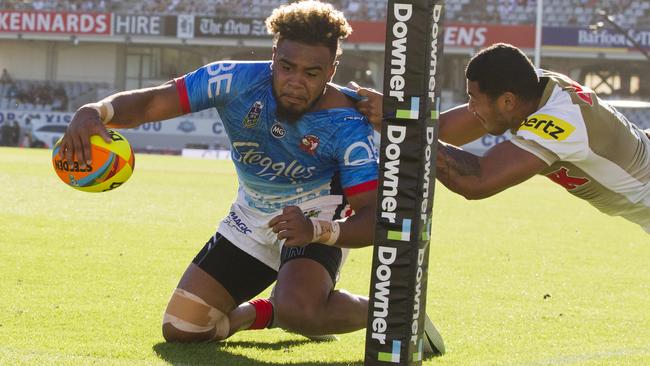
<point>293,227</point>
<point>75,145</point>
<point>372,104</point>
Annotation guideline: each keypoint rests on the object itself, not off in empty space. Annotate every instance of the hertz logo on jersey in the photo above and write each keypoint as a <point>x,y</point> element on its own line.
<point>548,127</point>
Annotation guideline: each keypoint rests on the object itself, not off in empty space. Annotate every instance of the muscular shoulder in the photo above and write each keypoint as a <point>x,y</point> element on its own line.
<point>344,120</point>
<point>334,98</point>
<point>556,131</point>
<point>222,76</point>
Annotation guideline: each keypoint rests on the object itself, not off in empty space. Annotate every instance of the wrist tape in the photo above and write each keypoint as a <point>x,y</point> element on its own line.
<point>325,232</point>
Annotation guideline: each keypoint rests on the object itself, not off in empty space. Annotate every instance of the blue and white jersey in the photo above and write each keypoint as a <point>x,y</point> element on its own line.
<point>280,163</point>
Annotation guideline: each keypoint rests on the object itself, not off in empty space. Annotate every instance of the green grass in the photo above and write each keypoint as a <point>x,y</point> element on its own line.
<point>84,278</point>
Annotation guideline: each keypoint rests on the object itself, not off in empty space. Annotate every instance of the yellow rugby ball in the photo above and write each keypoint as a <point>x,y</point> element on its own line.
<point>112,165</point>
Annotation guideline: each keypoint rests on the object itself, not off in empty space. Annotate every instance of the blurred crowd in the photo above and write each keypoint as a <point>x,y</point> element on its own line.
<point>59,5</point>
<point>37,94</point>
<point>557,12</point>
<point>11,134</point>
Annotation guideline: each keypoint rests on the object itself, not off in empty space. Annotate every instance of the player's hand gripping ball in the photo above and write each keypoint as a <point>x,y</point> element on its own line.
<point>112,164</point>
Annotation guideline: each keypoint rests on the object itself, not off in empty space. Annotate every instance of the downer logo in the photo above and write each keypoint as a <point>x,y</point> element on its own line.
<point>278,131</point>
<point>381,294</point>
<point>402,13</point>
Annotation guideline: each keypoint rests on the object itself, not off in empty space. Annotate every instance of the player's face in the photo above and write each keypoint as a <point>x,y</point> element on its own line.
<point>486,110</point>
<point>300,73</point>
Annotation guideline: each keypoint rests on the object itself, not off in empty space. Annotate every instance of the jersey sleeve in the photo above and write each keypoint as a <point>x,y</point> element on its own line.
<point>357,157</point>
<point>215,84</point>
<point>554,136</point>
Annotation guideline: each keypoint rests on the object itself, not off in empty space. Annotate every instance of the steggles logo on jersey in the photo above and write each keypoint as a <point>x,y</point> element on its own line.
<point>278,131</point>
<point>253,115</point>
<point>249,153</point>
<point>309,144</point>
<point>548,127</point>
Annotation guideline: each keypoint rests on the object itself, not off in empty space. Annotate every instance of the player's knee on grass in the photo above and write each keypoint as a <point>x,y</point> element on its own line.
<point>189,318</point>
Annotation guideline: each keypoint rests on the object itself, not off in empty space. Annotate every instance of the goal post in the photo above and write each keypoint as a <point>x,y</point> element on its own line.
<point>409,135</point>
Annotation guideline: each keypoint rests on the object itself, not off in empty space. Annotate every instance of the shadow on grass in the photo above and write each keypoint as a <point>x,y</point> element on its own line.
<point>221,353</point>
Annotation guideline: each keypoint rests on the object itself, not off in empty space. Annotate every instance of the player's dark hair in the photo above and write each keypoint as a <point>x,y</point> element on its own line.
<point>504,68</point>
<point>311,22</point>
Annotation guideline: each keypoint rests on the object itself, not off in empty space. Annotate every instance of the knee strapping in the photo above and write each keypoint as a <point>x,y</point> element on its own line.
<point>189,313</point>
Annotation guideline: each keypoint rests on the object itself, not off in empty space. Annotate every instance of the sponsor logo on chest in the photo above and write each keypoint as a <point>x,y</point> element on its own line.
<point>278,131</point>
<point>548,127</point>
<point>250,153</point>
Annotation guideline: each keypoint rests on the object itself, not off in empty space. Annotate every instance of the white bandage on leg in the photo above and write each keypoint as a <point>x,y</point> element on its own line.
<point>325,232</point>
<point>189,313</point>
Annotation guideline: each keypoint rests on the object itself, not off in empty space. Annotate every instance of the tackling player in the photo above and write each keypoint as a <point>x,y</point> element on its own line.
<point>561,130</point>
<point>290,131</point>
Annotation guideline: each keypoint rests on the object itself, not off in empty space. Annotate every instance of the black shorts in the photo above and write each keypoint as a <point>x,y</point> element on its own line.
<point>244,276</point>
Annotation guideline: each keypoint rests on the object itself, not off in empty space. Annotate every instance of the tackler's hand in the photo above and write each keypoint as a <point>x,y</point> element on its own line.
<point>371,105</point>
<point>293,227</point>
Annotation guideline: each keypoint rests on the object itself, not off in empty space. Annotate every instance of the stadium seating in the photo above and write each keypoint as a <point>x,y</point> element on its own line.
<point>638,116</point>
<point>48,96</point>
<point>627,13</point>
<point>559,13</point>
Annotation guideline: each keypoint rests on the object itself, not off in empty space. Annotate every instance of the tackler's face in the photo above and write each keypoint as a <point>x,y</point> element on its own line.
<point>300,74</point>
<point>486,110</point>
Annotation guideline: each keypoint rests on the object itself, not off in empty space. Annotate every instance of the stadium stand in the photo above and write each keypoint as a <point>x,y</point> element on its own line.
<point>627,13</point>
<point>638,116</point>
<point>66,96</point>
<point>47,96</point>
<point>58,5</point>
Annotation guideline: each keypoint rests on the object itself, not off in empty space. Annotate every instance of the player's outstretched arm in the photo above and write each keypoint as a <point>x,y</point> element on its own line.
<point>459,126</point>
<point>122,110</point>
<point>357,231</point>
<point>474,177</point>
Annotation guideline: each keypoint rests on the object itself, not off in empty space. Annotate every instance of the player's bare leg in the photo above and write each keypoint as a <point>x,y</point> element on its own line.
<point>198,308</point>
<point>305,302</point>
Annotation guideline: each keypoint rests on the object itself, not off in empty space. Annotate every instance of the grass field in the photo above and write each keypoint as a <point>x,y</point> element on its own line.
<point>531,277</point>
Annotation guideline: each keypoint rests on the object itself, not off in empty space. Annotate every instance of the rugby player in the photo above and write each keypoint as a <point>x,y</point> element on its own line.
<point>290,132</point>
<point>560,129</point>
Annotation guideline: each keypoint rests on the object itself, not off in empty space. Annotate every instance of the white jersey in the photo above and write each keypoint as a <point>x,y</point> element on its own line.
<point>592,150</point>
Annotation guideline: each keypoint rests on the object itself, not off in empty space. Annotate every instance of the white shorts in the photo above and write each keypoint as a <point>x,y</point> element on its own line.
<point>248,228</point>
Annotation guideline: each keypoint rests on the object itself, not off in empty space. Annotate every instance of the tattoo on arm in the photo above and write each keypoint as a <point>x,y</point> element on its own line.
<point>460,162</point>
